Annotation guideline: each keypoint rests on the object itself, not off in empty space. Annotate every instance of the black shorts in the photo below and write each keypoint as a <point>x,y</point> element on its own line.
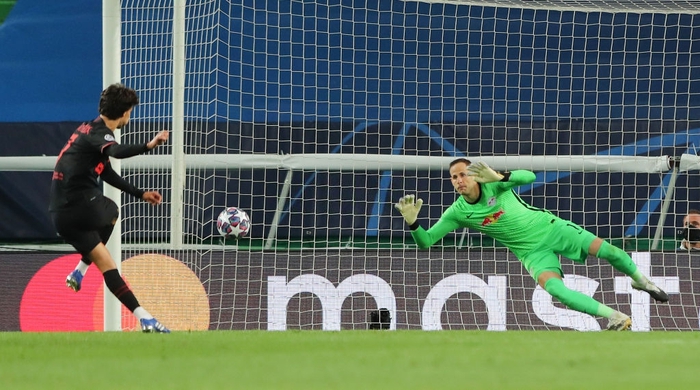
<point>80,223</point>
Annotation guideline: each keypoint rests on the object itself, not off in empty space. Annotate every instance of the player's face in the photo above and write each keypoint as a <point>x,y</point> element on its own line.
<point>460,180</point>
<point>692,220</point>
<point>124,120</point>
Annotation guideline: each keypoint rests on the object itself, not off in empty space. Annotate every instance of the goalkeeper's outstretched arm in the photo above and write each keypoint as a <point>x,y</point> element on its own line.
<point>482,173</point>
<point>409,207</point>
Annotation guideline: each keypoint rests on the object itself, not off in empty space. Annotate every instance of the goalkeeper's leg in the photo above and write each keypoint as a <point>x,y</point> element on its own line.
<point>551,281</point>
<point>622,262</point>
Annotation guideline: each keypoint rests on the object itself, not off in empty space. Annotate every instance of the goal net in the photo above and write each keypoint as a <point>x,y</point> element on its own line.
<point>315,117</point>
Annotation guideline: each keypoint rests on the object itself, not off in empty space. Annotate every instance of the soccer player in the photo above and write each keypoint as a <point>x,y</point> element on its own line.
<point>488,204</point>
<point>690,234</point>
<point>82,215</point>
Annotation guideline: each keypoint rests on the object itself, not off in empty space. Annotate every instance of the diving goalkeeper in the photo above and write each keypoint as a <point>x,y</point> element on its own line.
<point>536,236</point>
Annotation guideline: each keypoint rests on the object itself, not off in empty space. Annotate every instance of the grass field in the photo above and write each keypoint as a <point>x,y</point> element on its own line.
<point>351,360</point>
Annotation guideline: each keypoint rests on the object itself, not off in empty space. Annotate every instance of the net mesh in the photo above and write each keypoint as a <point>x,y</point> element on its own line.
<point>430,79</point>
<point>613,6</point>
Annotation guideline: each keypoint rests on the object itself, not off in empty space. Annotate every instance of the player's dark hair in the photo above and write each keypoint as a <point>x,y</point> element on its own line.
<point>694,211</point>
<point>116,100</point>
<point>460,160</point>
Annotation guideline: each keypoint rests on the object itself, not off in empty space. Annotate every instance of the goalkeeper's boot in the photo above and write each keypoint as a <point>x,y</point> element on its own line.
<point>152,325</point>
<point>652,289</point>
<point>619,321</point>
<point>74,279</point>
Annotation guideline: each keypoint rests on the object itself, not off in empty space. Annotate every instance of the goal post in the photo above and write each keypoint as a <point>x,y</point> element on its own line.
<point>181,165</point>
<point>111,73</point>
<point>314,117</point>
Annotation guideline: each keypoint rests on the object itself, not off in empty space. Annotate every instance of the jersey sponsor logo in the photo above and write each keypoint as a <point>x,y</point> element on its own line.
<point>109,138</point>
<point>493,218</point>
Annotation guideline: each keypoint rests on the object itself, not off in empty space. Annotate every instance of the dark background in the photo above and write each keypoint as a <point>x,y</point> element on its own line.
<point>351,76</point>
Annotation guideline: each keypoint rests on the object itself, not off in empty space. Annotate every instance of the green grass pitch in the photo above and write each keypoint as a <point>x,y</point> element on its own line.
<point>351,360</point>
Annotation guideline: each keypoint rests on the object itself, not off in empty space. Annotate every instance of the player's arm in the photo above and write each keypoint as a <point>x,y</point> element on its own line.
<point>517,178</point>
<point>111,177</point>
<point>409,207</point>
<point>125,151</point>
<point>426,238</point>
<point>482,173</point>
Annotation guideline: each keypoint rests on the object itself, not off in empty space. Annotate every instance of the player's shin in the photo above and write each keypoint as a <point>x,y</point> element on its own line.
<point>115,283</point>
<point>620,260</point>
<point>575,300</point>
<point>623,263</point>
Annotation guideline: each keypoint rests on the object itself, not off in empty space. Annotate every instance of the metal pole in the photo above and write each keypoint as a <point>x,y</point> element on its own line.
<point>178,130</point>
<point>111,73</point>
<point>664,208</point>
<point>278,212</point>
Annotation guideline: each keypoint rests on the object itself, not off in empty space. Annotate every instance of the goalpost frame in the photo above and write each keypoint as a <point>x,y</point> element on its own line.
<point>111,73</point>
<point>178,131</point>
<point>179,163</point>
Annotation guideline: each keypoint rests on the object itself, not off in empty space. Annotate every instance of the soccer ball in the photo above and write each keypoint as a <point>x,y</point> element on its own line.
<point>233,222</point>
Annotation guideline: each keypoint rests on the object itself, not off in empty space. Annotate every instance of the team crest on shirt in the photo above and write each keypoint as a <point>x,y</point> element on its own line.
<point>109,138</point>
<point>492,201</point>
<point>493,218</point>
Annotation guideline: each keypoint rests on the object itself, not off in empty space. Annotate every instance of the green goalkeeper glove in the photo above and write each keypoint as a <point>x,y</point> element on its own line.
<point>482,173</point>
<point>409,207</point>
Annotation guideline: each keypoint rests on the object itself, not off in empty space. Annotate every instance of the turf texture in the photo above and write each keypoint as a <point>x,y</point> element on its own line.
<point>351,360</point>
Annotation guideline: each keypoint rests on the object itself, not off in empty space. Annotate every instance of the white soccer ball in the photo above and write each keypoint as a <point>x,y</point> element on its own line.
<point>233,222</point>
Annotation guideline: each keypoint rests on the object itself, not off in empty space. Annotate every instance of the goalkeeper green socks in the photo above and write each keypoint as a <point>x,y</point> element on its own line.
<point>576,300</point>
<point>620,260</point>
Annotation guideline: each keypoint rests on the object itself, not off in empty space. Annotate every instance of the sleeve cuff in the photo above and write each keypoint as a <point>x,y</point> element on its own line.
<point>506,176</point>
<point>138,193</point>
<point>414,225</point>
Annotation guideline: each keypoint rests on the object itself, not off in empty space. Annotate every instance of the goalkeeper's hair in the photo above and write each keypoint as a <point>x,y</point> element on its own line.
<point>116,100</point>
<point>460,160</point>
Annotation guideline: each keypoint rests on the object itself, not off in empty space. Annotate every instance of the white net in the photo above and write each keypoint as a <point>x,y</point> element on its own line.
<point>428,79</point>
<point>612,6</point>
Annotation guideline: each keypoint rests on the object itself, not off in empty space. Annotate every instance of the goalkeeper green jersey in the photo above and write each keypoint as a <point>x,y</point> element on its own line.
<point>499,213</point>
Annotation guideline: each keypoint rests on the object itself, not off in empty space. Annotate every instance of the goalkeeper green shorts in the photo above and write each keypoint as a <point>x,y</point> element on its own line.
<point>566,239</point>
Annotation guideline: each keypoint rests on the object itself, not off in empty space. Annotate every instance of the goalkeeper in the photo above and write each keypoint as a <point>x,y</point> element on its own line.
<point>536,236</point>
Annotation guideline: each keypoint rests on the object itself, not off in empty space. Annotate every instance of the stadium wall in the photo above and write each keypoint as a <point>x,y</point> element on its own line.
<point>427,290</point>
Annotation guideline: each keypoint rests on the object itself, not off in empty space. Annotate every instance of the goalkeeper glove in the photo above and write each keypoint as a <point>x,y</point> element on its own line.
<point>409,207</point>
<point>482,173</point>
